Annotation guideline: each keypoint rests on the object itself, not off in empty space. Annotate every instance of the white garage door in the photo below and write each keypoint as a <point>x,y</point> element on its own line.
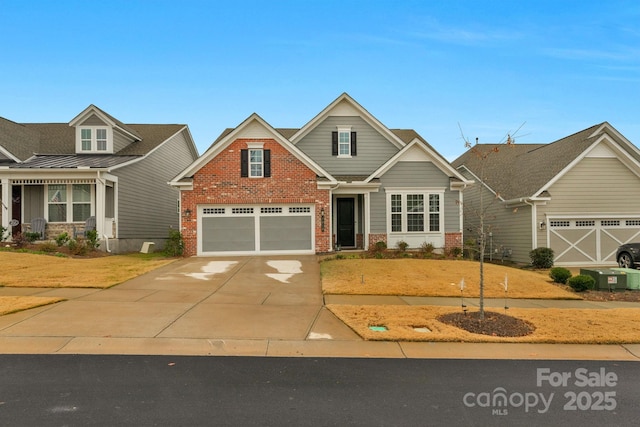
<point>255,229</point>
<point>587,241</point>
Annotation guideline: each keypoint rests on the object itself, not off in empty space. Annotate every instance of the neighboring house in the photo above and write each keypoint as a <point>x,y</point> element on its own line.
<point>93,166</point>
<point>579,196</point>
<point>343,180</point>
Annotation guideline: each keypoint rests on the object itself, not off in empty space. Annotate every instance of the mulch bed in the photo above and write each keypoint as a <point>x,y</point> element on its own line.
<point>494,324</point>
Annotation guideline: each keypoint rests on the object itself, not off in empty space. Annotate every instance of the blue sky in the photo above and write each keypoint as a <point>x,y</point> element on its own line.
<point>490,67</point>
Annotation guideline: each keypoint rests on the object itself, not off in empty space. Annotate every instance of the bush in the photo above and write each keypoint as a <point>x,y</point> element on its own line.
<point>455,252</point>
<point>582,282</point>
<point>48,247</point>
<point>542,257</point>
<point>174,246</point>
<point>427,248</point>
<point>31,236</point>
<point>62,239</point>
<point>380,246</point>
<point>402,245</point>
<point>92,239</point>
<point>560,275</point>
<point>77,247</point>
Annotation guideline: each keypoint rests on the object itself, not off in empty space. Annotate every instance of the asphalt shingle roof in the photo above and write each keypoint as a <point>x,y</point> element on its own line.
<point>521,170</point>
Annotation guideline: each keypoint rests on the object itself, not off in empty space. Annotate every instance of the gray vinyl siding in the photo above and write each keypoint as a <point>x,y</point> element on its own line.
<point>93,120</point>
<point>33,202</point>
<point>595,185</point>
<point>120,141</point>
<point>372,148</point>
<point>147,204</point>
<point>419,175</point>
<point>510,226</point>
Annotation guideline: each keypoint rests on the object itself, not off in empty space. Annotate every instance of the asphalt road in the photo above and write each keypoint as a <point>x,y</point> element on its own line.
<point>69,390</point>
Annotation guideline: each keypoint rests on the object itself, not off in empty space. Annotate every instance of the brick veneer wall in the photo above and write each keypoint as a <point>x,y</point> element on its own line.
<point>219,183</point>
<point>452,240</point>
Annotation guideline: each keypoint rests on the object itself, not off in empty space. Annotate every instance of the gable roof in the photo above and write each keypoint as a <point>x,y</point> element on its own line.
<point>525,170</point>
<point>230,135</point>
<point>342,105</point>
<point>36,144</point>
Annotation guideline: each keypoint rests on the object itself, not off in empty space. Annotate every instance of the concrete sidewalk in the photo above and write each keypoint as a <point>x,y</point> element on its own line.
<point>253,306</point>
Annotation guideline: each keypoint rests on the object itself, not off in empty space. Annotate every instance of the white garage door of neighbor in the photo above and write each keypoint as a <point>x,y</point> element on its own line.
<point>256,229</point>
<point>590,241</point>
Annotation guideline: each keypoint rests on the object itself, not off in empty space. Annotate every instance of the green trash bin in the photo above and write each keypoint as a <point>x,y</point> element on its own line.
<point>607,279</point>
<point>633,277</point>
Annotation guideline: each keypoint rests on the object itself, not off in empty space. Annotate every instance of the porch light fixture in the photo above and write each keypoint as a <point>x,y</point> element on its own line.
<point>187,212</point>
<point>543,225</point>
<point>322,220</point>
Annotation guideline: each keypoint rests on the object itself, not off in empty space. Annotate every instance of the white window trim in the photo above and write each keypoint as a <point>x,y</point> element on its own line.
<point>425,192</point>
<point>94,139</point>
<point>69,202</point>
<point>346,130</point>
<point>261,163</point>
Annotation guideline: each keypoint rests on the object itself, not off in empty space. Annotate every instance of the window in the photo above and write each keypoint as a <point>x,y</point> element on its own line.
<point>93,139</point>
<point>255,163</point>
<point>62,208</point>
<point>408,212</point>
<point>343,142</point>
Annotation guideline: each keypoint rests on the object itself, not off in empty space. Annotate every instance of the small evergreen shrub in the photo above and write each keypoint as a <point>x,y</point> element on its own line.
<point>380,246</point>
<point>174,245</point>
<point>31,236</point>
<point>402,245</point>
<point>92,240</point>
<point>581,282</point>
<point>560,275</point>
<point>77,247</point>
<point>542,257</point>
<point>62,239</point>
<point>427,248</point>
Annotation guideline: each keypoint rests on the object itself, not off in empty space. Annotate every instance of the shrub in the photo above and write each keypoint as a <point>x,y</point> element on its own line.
<point>560,275</point>
<point>19,240</point>
<point>380,246</point>
<point>542,257</point>
<point>455,252</point>
<point>174,245</point>
<point>581,282</point>
<point>62,239</point>
<point>3,234</point>
<point>77,247</point>
<point>92,240</point>
<point>427,248</point>
<point>31,236</point>
<point>402,245</point>
<point>48,247</point>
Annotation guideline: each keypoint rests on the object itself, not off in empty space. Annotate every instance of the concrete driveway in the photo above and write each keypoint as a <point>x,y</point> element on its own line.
<point>223,301</point>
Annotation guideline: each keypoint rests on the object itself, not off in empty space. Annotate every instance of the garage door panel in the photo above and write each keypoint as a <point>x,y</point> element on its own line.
<point>284,233</point>
<point>230,234</point>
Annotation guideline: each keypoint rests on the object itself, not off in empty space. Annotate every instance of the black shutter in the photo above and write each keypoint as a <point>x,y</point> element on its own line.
<point>267,163</point>
<point>244,163</point>
<point>334,143</point>
<point>354,151</point>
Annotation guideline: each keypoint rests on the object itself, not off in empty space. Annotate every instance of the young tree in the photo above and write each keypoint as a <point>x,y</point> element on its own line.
<point>482,216</point>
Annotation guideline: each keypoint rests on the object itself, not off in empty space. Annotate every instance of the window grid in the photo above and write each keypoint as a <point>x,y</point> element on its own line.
<point>610,223</point>
<point>585,223</point>
<point>434,212</point>
<point>85,137</point>
<point>300,209</point>
<point>559,223</point>
<point>241,210</point>
<point>255,163</point>
<point>415,212</point>
<point>270,210</point>
<point>213,211</point>
<point>632,222</point>
<point>396,212</point>
<point>101,139</point>
<point>344,143</point>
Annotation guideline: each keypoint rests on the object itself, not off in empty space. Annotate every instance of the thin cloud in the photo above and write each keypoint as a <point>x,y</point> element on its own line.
<point>626,54</point>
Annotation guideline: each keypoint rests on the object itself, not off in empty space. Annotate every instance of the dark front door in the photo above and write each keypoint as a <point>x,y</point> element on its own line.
<point>346,223</point>
<point>16,209</point>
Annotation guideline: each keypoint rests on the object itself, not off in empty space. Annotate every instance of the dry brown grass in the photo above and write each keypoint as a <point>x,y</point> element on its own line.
<point>438,278</point>
<point>584,326</point>
<point>46,271</point>
<point>12,304</point>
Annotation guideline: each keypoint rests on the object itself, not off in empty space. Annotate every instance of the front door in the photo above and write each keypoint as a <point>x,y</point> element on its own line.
<point>16,210</point>
<point>346,223</point>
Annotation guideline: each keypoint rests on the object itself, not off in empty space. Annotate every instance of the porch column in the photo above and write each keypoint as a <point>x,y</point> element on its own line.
<point>367,220</point>
<point>100,206</point>
<point>6,203</point>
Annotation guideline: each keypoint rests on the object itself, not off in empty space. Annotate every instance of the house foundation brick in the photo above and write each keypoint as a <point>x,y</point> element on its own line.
<point>452,240</point>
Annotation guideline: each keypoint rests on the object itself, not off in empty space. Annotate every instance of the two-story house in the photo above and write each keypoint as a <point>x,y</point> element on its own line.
<point>343,180</point>
<point>94,166</point>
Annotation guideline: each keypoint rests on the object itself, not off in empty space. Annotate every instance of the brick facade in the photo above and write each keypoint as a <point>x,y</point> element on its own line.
<point>452,240</point>
<point>219,183</point>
